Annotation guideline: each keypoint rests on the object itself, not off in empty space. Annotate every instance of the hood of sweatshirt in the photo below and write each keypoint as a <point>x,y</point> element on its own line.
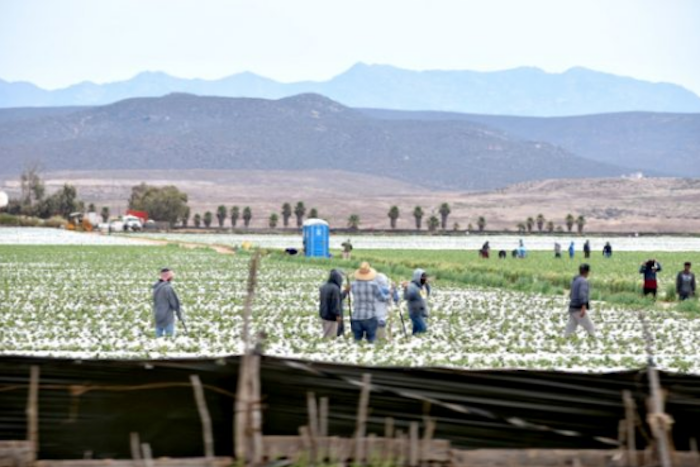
<point>417,275</point>
<point>336,277</point>
<point>382,280</point>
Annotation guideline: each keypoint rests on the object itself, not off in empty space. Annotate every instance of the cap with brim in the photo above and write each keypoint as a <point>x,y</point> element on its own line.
<point>164,270</point>
<point>365,273</point>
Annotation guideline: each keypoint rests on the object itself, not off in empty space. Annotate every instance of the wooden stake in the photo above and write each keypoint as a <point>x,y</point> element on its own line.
<point>388,450</point>
<point>694,449</point>
<point>312,408</point>
<point>362,410</point>
<point>658,428</point>
<point>630,435</point>
<point>135,444</point>
<point>323,428</point>
<point>207,433</point>
<point>427,439</point>
<point>413,444</point>
<point>147,455</point>
<point>33,413</point>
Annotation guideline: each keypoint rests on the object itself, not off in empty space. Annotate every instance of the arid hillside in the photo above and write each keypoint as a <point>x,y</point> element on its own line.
<point>609,205</point>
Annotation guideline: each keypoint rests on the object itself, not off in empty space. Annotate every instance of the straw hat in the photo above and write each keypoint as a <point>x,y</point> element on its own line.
<point>365,273</point>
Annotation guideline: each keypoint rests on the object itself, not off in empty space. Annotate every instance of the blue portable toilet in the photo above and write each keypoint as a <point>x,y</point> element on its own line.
<point>316,238</point>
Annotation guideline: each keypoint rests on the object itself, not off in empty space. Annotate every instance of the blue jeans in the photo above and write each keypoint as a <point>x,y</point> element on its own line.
<point>419,324</point>
<point>168,330</point>
<point>364,328</point>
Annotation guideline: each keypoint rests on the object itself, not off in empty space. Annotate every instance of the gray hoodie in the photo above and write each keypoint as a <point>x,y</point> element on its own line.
<point>165,304</point>
<point>412,295</point>
<point>579,294</point>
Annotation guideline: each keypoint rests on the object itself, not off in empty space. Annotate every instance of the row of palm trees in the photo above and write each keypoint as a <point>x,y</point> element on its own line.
<point>246,215</point>
<point>434,222</point>
<point>548,226</point>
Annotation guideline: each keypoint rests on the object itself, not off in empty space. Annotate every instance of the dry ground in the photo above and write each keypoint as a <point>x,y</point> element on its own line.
<point>609,205</point>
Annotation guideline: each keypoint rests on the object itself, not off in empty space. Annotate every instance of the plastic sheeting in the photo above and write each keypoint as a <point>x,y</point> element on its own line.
<point>92,406</point>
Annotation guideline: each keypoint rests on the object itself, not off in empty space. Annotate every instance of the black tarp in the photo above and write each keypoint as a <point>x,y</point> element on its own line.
<point>94,405</point>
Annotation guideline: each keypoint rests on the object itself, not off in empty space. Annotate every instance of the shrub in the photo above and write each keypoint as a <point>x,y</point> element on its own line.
<point>55,222</point>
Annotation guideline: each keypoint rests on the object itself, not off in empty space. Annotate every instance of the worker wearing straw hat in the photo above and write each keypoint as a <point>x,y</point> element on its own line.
<point>365,291</point>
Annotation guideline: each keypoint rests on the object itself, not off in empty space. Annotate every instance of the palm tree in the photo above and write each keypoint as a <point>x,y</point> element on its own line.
<point>105,214</point>
<point>393,216</point>
<point>91,207</point>
<point>580,222</point>
<point>354,222</point>
<point>521,227</point>
<point>313,213</point>
<point>433,223</point>
<point>444,212</point>
<point>286,214</point>
<point>418,215</point>
<point>481,223</point>
<point>569,222</point>
<point>550,226</point>
<point>529,224</point>
<point>273,220</point>
<point>299,211</point>
<point>186,216</point>
<point>197,220</point>
<point>455,226</point>
<point>235,214</point>
<point>221,214</point>
<point>540,222</point>
<point>208,218</point>
<point>247,216</point>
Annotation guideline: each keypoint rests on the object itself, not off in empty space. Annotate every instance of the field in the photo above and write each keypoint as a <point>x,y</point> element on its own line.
<point>93,301</point>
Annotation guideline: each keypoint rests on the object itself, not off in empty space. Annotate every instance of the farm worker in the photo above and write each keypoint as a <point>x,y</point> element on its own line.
<point>330,308</point>
<point>521,251</point>
<point>607,250</point>
<point>587,249</point>
<point>557,250</point>
<point>578,306</point>
<point>165,304</point>
<point>485,249</point>
<point>365,293</point>
<point>381,307</point>
<point>685,283</point>
<point>572,250</point>
<point>415,293</point>
<point>649,269</point>
<point>347,249</point>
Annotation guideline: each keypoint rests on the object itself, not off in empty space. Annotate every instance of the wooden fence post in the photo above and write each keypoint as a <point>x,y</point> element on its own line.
<point>33,412</point>
<point>207,433</point>
<point>362,410</point>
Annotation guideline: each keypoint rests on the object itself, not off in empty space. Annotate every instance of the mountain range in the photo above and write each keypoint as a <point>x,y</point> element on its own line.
<point>300,133</point>
<point>521,91</point>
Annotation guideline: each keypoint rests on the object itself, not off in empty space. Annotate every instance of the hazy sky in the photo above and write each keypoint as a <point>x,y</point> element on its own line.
<point>55,43</point>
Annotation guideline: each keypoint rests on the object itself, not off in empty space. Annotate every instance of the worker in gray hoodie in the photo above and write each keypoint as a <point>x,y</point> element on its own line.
<point>415,294</point>
<point>579,305</point>
<point>165,304</point>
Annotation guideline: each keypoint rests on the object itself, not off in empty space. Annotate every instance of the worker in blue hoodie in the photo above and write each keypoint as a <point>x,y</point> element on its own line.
<point>415,293</point>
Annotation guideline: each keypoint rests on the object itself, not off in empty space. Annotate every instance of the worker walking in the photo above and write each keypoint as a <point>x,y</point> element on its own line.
<point>166,304</point>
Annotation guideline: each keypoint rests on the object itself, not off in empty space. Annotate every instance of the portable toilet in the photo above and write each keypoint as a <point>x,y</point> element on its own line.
<point>316,238</point>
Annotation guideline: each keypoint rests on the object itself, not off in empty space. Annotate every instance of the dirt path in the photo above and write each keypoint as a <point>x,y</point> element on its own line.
<point>222,249</point>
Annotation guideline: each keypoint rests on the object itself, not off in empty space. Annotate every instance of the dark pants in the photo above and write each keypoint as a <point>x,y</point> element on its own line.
<point>364,328</point>
<point>650,291</point>
<point>683,296</point>
<point>419,324</point>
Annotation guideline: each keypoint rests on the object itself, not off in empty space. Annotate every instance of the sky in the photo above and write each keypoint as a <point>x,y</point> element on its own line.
<point>56,43</point>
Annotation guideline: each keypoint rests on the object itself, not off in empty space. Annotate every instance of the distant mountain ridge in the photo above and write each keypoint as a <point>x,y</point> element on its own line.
<point>521,91</point>
<point>304,132</point>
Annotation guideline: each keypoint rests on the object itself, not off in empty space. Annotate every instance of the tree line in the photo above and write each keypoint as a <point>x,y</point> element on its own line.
<point>169,204</point>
